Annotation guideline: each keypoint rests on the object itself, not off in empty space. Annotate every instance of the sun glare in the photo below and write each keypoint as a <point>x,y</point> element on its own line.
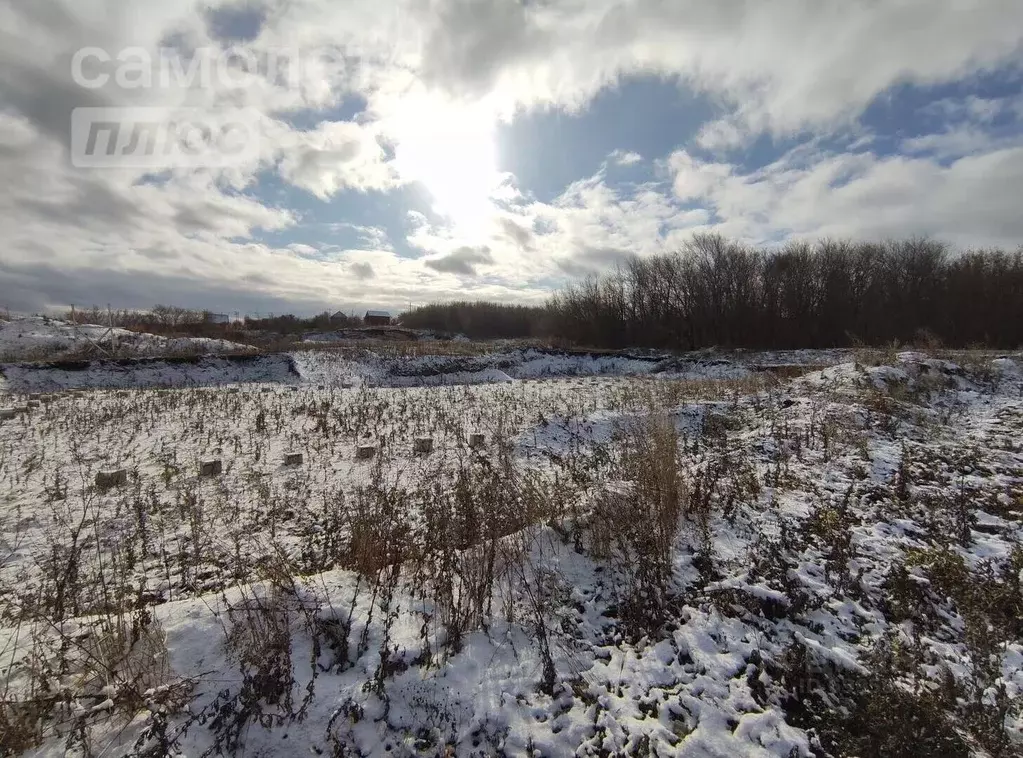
<point>455,159</point>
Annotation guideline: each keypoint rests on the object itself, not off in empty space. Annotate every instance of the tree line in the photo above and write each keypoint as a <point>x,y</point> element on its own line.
<point>716,292</point>
<point>719,292</point>
<point>172,320</point>
<point>480,320</point>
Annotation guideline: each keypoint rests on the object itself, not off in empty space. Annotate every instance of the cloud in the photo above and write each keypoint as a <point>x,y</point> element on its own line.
<point>953,143</point>
<point>362,271</point>
<point>462,261</point>
<point>968,127</point>
<point>518,234</point>
<point>721,134</point>
<point>593,261</point>
<point>694,178</point>
<point>236,22</point>
<point>372,236</point>
<point>973,108</point>
<point>967,202</point>
<point>303,251</point>
<point>472,42</point>
<point>596,221</point>
<point>802,65</point>
<point>336,156</point>
<point>625,158</point>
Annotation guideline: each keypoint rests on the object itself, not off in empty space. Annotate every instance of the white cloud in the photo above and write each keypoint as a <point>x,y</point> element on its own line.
<point>692,178</point>
<point>954,143</point>
<point>721,134</point>
<point>625,158</point>
<point>968,202</point>
<point>783,65</point>
<point>333,157</point>
<point>302,250</point>
<point>372,236</point>
<point>969,127</point>
<point>980,110</point>
<point>592,226</point>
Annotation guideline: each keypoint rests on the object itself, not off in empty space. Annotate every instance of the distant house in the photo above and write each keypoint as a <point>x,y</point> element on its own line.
<point>339,316</point>
<point>377,318</point>
<point>220,318</point>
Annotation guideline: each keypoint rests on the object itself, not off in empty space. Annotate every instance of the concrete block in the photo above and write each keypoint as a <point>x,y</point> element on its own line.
<point>293,459</point>
<point>423,445</point>
<point>476,441</point>
<point>365,452</point>
<point>106,480</point>
<point>211,468</point>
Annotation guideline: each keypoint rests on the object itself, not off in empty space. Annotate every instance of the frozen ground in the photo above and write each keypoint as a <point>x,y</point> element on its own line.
<point>364,368</point>
<point>841,574</point>
<point>31,338</point>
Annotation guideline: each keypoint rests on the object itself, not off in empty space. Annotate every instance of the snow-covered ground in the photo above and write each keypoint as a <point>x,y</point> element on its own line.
<point>193,371</point>
<point>843,576</point>
<point>31,338</point>
<point>366,368</point>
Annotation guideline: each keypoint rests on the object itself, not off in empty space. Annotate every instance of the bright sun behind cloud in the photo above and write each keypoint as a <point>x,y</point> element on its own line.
<point>454,156</point>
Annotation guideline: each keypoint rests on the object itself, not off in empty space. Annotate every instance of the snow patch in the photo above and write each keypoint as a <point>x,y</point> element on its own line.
<point>42,338</point>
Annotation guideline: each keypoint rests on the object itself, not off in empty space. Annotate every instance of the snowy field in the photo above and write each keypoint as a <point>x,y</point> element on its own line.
<point>638,557</point>
<point>38,338</point>
<point>366,368</point>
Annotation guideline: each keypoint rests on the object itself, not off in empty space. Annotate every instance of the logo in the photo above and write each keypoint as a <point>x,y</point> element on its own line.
<point>159,139</point>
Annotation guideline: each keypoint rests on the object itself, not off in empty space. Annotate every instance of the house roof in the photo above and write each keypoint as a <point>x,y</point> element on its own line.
<point>378,314</point>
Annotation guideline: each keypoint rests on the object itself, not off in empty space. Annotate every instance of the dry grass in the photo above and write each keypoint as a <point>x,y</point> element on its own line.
<point>460,546</point>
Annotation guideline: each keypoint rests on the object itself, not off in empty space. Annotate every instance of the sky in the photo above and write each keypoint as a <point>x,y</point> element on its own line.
<point>389,154</point>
